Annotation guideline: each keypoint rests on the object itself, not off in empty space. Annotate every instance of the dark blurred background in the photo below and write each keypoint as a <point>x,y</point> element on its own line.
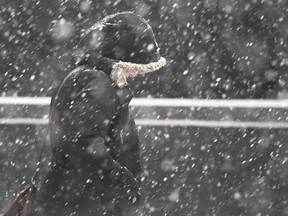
<point>214,48</point>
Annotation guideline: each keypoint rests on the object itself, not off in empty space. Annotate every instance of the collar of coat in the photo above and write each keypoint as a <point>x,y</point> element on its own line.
<point>123,70</point>
<point>119,71</point>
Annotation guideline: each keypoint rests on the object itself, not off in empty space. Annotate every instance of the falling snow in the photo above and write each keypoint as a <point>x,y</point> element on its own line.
<point>215,49</point>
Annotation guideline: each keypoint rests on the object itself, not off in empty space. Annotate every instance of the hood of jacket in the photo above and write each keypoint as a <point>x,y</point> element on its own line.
<point>122,45</point>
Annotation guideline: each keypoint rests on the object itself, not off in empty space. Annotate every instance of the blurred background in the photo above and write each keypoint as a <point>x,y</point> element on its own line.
<point>216,49</point>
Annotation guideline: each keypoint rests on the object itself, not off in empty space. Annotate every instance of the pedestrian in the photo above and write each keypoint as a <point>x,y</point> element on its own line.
<point>96,167</point>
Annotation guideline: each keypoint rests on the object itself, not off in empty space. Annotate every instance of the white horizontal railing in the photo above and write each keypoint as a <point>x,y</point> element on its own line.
<point>23,121</point>
<point>41,101</point>
<point>149,102</point>
<point>176,102</point>
<point>166,123</point>
<point>166,102</point>
<point>210,123</point>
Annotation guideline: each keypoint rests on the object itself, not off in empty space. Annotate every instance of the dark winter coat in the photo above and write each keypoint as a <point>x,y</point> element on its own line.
<point>95,149</point>
<point>94,139</point>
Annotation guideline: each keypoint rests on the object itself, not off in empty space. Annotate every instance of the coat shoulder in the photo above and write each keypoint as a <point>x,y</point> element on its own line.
<point>87,79</point>
<point>89,74</point>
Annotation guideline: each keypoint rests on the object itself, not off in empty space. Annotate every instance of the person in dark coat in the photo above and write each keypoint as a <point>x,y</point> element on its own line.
<point>96,165</point>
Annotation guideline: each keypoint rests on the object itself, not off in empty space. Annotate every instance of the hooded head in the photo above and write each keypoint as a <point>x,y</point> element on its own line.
<point>124,41</point>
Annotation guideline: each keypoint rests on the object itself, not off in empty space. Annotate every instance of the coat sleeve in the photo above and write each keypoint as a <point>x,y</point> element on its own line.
<point>93,105</point>
<point>93,110</point>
